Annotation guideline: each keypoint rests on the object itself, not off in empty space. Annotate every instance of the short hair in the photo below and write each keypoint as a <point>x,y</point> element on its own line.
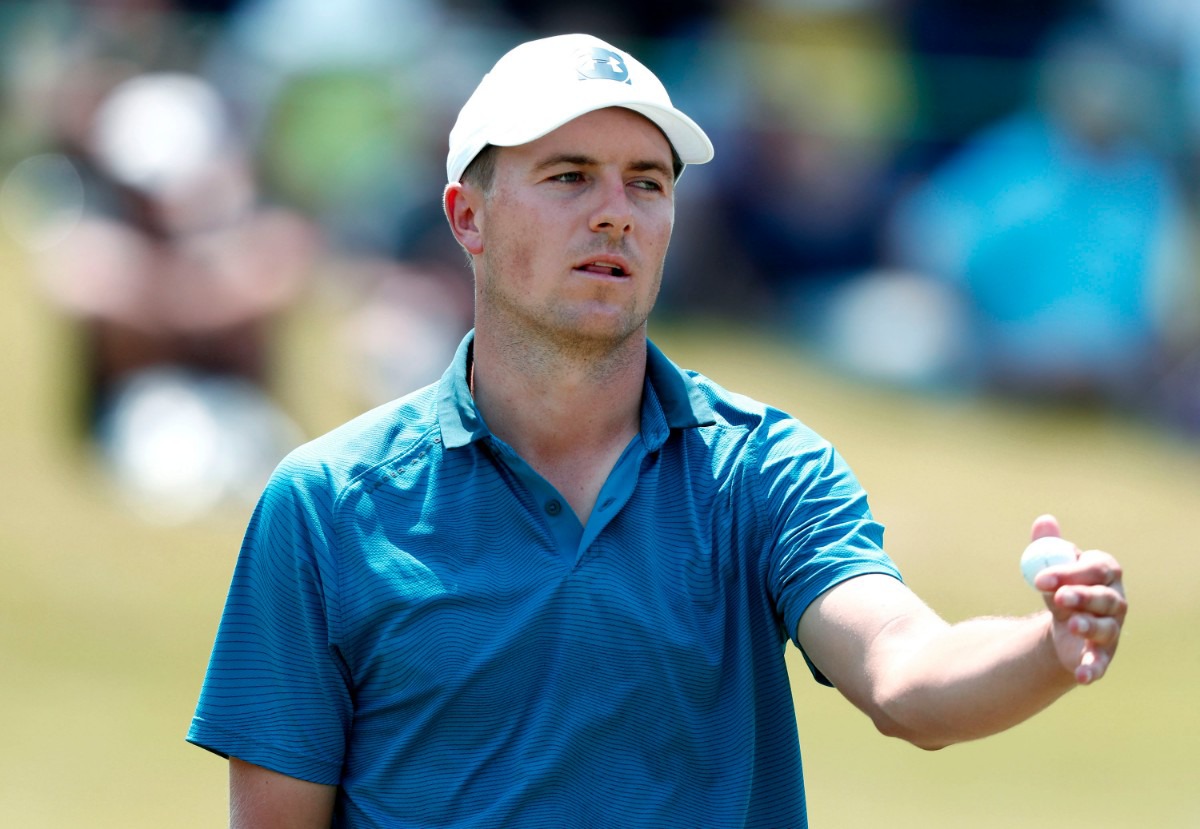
<point>676,162</point>
<point>481,172</point>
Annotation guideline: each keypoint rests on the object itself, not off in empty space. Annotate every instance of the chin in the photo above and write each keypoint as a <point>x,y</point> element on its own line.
<point>604,330</point>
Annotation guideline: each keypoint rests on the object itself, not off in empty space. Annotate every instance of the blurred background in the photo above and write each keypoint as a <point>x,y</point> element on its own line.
<point>957,238</point>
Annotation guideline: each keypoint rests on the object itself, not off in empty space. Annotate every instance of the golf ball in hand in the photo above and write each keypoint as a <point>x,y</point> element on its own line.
<point>1045,552</point>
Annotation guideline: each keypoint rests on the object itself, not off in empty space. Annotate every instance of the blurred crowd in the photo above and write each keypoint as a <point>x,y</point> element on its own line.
<point>993,197</point>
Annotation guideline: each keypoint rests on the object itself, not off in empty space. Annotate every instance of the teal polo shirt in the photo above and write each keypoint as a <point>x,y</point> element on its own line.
<point>419,618</point>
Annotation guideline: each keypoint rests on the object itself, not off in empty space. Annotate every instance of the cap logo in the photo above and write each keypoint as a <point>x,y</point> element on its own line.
<point>602,64</point>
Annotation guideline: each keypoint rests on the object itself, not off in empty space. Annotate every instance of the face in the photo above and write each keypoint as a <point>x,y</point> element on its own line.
<point>570,240</point>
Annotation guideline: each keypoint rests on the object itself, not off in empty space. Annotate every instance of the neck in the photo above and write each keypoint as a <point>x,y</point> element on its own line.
<point>568,414</point>
<point>527,391</point>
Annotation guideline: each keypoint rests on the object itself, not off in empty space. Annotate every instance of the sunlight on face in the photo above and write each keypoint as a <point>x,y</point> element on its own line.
<point>575,230</point>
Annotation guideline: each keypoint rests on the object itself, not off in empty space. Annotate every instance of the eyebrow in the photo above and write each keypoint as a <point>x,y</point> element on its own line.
<point>576,160</point>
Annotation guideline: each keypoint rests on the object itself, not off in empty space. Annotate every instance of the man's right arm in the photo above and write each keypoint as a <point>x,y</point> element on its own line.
<point>263,799</point>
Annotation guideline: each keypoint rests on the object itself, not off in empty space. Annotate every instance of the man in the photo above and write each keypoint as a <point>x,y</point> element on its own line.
<point>554,589</point>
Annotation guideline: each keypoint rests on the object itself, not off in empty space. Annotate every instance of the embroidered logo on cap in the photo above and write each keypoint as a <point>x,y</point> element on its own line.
<point>602,64</point>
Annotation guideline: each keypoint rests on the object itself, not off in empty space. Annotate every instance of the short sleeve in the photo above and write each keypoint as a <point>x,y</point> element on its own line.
<point>821,528</point>
<point>276,692</point>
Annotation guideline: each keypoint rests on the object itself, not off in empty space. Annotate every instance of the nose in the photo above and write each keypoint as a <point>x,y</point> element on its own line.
<point>614,212</point>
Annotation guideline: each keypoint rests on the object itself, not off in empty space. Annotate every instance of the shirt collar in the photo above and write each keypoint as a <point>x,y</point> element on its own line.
<point>460,421</point>
<point>669,389</point>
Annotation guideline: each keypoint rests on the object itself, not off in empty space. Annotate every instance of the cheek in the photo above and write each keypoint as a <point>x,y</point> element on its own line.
<point>515,225</point>
<point>659,239</point>
<point>510,255</point>
<point>659,224</point>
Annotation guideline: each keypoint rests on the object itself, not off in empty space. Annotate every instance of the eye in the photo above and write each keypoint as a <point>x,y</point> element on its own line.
<point>648,184</point>
<point>570,177</point>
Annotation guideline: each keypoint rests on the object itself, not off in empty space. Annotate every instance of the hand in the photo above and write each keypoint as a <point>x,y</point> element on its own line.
<point>1087,602</point>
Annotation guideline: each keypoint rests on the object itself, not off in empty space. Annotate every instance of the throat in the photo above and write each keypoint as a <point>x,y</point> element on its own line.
<point>580,475</point>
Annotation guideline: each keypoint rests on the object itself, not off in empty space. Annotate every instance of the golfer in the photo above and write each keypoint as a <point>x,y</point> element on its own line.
<point>554,589</point>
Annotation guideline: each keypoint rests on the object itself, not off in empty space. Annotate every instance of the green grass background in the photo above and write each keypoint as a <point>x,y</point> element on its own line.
<point>106,621</point>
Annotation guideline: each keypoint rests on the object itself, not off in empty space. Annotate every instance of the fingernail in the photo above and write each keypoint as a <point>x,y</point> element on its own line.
<point>1082,626</point>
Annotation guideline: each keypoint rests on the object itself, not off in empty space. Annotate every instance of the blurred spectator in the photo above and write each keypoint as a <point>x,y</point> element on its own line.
<point>803,183</point>
<point>1062,230</point>
<point>175,271</point>
<point>402,332</point>
<point>973,62</point>
<point>1054,235</point>
<point>332,94</point>
<point>349,106</point>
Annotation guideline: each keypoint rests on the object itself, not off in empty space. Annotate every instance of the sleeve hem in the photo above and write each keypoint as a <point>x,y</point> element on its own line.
<point>228,744</point>
<point>794,623</point>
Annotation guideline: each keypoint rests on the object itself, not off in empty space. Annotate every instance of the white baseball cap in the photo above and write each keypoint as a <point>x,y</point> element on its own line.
<point>542,84</point>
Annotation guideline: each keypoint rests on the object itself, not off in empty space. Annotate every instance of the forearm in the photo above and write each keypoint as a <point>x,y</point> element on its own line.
<point>927,681</point>
<point>969,680</point>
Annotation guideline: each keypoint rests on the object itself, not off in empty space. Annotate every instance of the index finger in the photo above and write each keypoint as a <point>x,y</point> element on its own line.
<point>1091,568</point>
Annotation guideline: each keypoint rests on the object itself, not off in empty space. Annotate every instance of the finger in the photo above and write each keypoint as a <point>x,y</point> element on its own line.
<point>1093,664</point>
<point>1106,569</point>
<point>1093,567</point>
<point>1102,631</point>
<point>1097,601</point>
<point>1043,526</point>
<point>1052,578</point>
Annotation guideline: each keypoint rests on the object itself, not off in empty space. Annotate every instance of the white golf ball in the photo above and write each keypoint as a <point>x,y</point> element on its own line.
<point>1045,552</point>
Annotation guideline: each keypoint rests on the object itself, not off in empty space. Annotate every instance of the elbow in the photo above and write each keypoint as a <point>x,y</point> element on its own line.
<point>927,736</point>
<point>926,744</point>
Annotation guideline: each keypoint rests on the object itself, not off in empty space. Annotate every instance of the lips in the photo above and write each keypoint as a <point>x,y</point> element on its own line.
<point>605,267</point>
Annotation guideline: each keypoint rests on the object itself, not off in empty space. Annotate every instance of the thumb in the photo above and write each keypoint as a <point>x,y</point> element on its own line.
<point>1044,525</point>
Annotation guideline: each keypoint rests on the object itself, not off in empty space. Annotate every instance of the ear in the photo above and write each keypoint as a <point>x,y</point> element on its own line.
<point>462,204</point>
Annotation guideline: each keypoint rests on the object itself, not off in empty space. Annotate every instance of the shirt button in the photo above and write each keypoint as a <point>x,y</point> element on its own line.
<point>553,506</point>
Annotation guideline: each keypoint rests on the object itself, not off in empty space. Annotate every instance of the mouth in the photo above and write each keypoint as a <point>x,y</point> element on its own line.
<point>604,267</point>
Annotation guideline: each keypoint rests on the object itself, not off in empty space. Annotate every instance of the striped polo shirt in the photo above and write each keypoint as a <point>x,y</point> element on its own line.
<point>418,617</point>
